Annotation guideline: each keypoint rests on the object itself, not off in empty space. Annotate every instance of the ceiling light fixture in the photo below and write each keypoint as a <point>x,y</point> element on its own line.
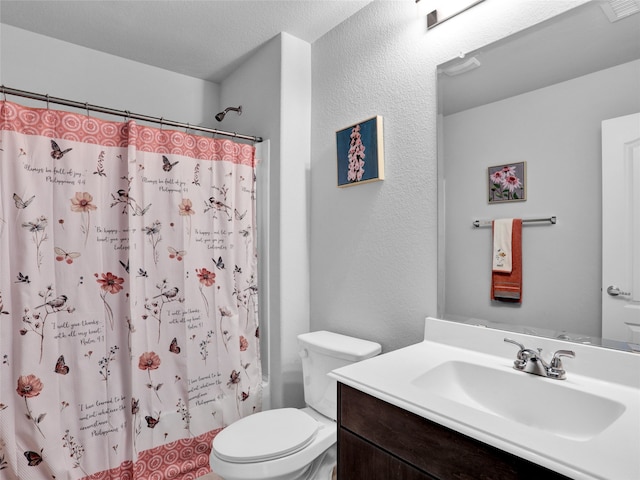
<point>439,11</point>
<point>462,67</point>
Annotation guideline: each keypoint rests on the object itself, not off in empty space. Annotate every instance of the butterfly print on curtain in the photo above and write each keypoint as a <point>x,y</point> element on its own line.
<point>148,357</point>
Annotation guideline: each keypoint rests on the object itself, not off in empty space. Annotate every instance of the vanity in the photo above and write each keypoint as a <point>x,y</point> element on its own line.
<point>379,441</point>
<point>454,407</point>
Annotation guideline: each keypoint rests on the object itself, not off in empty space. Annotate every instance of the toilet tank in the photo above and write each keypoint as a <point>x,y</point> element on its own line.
<point>322,352</point>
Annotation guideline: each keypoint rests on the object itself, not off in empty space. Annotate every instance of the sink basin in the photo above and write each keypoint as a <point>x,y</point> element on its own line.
<point>538,402</point>
<point>462,377</point>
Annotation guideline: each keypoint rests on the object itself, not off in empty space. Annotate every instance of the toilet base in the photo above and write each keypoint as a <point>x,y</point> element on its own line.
<point>314,462</point>
<point>323,468</point>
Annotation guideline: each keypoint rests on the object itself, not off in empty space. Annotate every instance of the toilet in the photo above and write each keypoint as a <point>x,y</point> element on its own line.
<point>290,443</point>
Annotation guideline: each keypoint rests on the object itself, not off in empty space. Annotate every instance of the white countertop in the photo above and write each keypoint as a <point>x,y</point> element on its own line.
<point>612,454</point>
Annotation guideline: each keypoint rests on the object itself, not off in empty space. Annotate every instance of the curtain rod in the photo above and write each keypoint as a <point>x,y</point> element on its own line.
<point>121,113</point>
<point>485,223</point>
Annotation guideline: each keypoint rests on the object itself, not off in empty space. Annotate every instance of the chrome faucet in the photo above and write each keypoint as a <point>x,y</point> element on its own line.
<point>531,361</point>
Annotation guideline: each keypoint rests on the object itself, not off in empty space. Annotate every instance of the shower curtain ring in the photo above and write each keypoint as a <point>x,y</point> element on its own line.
<point>127,115</point>
<point>86,106</point>
<point>4,93</point>
<point>47,101</point>
<point>161,120</point>
<point>186,130</point>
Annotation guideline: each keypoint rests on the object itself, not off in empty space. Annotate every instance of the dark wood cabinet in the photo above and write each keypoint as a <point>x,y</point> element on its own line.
<point>374,463</point>
<point>379,441</point>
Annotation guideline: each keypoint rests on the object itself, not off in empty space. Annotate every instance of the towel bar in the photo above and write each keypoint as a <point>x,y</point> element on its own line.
<point>486,223</point>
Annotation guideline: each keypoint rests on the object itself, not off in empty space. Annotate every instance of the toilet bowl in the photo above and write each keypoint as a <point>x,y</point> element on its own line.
<point>289,443</point>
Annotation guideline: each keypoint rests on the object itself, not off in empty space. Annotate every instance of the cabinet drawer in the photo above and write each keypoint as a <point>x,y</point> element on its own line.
<point>437,450</point>
<point>358,459</point>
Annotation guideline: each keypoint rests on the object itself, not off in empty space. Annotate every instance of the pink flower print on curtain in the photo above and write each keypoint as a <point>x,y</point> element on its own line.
<point>109,283</point>
<point>185,209</point>
<point>150,361</point>
<point>206,279</point>
<point>131,374</point>
<point>81,203</point>
<point>30,386</point>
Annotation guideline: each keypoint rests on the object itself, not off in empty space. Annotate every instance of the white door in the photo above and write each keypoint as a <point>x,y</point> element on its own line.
<point>621,228</point>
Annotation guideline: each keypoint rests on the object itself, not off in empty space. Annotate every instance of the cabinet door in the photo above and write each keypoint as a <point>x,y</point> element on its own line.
<point>443,453</point>
<point>360,460</point>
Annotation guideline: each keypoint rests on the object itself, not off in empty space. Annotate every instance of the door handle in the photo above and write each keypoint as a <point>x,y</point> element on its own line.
<point>615,291</point>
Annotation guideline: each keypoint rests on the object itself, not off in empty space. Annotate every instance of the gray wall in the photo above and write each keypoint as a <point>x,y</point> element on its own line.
<point>374,246</point>
<point>557,131</point>
<point>278,107</point>
<point>45,65</point>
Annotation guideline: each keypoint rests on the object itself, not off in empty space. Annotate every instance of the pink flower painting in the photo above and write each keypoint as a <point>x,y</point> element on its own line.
<point>507,183</point>
<point>356,156</point>
<point>360,153</point>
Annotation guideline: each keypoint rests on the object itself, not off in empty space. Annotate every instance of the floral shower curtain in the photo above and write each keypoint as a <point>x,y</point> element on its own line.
<point>128,296</point>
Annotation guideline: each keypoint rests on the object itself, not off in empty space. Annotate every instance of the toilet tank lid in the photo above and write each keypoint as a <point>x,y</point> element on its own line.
<point>339,346</point>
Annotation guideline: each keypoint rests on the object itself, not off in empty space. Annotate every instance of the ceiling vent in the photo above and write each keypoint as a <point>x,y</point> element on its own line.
<point>618,9</point>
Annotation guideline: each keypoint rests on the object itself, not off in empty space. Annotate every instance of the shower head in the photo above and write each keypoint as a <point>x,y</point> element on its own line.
<point>220,116</point>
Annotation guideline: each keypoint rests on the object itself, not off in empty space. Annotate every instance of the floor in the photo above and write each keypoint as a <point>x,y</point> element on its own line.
<point>211,476</point>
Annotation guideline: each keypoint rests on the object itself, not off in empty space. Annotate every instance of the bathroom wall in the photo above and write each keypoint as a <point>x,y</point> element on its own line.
<point>278,107</point>
<point>556,130</point>
<point>41,64</point>
<point>374,246</point>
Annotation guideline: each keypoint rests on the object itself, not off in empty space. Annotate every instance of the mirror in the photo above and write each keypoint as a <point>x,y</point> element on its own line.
<point>538,96</point>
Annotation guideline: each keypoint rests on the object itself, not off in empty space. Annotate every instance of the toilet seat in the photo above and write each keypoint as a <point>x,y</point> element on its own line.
<point>266,436</point>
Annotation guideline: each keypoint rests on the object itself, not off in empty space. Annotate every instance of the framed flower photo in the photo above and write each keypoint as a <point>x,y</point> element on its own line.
<point>508,183</point>
<point>360,152</point>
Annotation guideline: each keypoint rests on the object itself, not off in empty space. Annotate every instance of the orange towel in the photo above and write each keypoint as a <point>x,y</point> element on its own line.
<point>507,287</point>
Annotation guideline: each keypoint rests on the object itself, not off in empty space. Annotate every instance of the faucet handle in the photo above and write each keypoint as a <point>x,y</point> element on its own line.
<point>556,361</point>
<point>556,369</point>
<point>520,362</point>
<point>509,340</point>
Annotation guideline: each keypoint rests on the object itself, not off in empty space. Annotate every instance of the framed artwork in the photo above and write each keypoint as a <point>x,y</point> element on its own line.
<point>507,183</point>
<point>360,153</point>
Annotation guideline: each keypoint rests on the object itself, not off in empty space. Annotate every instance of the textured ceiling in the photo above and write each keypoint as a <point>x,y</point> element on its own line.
<point>576,43</point>
<point>205,39</point>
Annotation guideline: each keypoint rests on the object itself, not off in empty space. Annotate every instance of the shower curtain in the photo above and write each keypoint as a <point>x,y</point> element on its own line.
<point>128,296</point>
